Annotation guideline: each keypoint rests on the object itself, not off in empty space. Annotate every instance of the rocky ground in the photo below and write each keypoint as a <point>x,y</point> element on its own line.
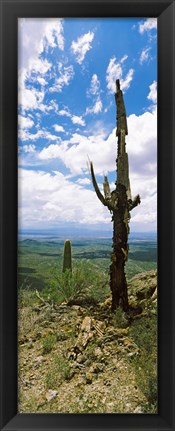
<point>81,358</point>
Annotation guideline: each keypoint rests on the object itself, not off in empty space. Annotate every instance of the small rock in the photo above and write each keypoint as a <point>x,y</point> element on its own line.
<point>39,359</point>
<point>51,394</point>
<point>98,352</point>
<point>115,362</point>
<point>107,382</point>
<point>80,382</point>
<point>138,409</point>
<point>96,368</point>
<point>30,343</point>
<point>89,377</point>
<point>128,407</point>
<point>80,358</point>
<point>76,307</point>
<point>88,362</point>
<point>131,354</point>
<point>110,406</point>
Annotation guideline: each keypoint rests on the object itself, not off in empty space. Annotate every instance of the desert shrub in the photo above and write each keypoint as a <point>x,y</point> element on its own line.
<point>119,319</point>
<point>85,280</point>
<point>26,295</point>
<point>58,372</point>
<point>144,333</point>
<point>48,343</point>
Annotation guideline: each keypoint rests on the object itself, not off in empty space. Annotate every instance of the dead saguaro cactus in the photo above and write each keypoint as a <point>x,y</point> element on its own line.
<point>67,256</point>
<point>120,203</point>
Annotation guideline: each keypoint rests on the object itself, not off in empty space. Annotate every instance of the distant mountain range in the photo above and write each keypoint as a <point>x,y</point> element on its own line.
<point>83,233</point>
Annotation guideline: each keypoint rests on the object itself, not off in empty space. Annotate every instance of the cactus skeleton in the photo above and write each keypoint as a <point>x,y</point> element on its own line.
<point>120,203</point>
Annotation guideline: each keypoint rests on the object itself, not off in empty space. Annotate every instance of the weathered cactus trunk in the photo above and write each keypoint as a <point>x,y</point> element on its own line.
<point>120,203</point>
<point>67,256</point>
<point>118,283</point>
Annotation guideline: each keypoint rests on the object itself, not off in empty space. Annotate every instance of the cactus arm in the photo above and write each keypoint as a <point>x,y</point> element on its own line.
<point>97,190</point>
<point>106,202</point>
<point>133,203</point>
<point>106,188</point>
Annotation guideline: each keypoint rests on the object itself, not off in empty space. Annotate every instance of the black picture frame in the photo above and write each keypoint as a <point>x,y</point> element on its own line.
<point>165,12</point>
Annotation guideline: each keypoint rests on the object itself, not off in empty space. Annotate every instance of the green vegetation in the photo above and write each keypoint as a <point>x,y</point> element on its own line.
<point>120,356</point>
<point>38,257</point>
<point>85,281</point>
<point>48,343</point>
<point>144,334</point>
<point>58,372</point>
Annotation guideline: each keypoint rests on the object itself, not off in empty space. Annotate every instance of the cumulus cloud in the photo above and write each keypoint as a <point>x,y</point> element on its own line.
<point>56,200</point>
<point>81,46</point>
<point>24,135</point>
<point>64,112</point>
<point>66,74</point>
<point>94,93</point>
<point>74,118</point>
<point>30,98</point>
<point>25,122</point>
<point>84,181</point>
<point>94,85</point>
<point>145,55</point>
<point>58,128</point>
<point>96,108</point>
<point>36,35</point>
<point>29,148</point>
<point>147,25</point>
<point>115,71</point>
<point>153,92</point>
<point>141,145</point>
<point>77,120</point>
<point>41,81</point>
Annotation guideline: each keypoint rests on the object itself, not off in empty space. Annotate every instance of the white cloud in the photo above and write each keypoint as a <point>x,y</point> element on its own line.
<point>24,135</point>
<point>77,120</point>
<point>41,81</point>
<point>29,148</point>
<point>58,128</point>
<point>25,122</point>
<point>94,91</point>
<point>147,25</point>
<point>30,99</point>
<point>141,146</point>
<point>82,46</point>
<point>53,106</point>
<point>115,71</point>
<point>153,92</point>
<point>47,200</point>
<point>66,75</point>
<point>84,181</point>
<point>96,108</point>
<point>123,58</point>
<point>39,66</point>
<point>74,118</point>
<point>145,55</point>
<point>65,113</point>
<point>94,85</point>
<point>37,35</point>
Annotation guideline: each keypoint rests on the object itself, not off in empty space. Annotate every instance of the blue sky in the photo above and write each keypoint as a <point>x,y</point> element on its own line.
<point>67,114</point>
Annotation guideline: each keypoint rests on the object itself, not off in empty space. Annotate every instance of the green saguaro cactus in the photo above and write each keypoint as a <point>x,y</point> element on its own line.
<point>67,256</point>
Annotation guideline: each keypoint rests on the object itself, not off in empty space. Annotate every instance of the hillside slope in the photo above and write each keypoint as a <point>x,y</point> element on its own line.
<point>81,358</point>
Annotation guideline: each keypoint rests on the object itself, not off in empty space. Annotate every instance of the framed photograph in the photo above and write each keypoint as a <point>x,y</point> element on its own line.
<point>87,237</point>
